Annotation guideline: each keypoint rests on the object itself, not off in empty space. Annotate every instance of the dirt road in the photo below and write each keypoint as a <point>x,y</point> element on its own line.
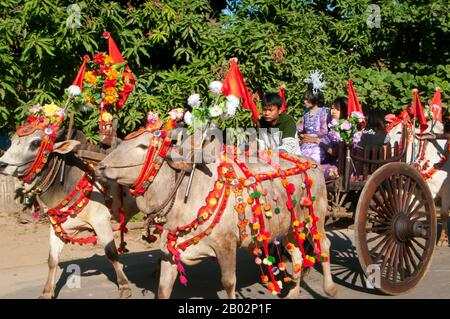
<point>23,270</point>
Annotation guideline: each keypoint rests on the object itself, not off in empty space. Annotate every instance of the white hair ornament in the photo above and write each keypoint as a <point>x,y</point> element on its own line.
<point>315,79</point>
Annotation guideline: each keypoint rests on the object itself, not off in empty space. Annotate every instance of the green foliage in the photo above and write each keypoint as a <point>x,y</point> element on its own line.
<point>177,47</point>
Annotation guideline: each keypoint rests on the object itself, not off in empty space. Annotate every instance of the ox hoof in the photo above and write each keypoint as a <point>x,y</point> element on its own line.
<point>443,242</point>
<point>124,293</point>
<point>45,296</point>
<point>331,291</point>
<point>293,294</point>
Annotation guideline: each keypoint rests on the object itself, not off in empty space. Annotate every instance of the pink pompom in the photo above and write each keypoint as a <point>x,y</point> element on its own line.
<point>180,267</point>
<point>183,280</point>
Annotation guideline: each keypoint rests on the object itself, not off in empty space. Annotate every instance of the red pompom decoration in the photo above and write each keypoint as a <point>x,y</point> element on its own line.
<point>290,188</point>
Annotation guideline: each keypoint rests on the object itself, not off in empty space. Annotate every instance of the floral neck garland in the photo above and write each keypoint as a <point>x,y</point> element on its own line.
<point>78,199</point>
<point>423,164</point>
<point>216,203</point>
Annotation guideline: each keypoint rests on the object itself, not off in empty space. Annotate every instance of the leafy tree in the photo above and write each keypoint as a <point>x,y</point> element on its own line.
<point>177,47</point>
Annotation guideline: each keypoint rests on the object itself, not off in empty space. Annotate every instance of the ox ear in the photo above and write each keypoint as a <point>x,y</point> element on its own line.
<point>65,146</point>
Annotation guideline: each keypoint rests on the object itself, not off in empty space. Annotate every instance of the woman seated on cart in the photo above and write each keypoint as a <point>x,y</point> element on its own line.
<point>374,133</point>
<point>329,146</point>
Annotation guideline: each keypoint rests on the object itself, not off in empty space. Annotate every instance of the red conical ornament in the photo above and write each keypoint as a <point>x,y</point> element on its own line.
<point>127,76</point>
<point>436,105</point>
<point>353,103</point>
<point>283,99</point>
<point>113,50</point>
<point>417,111</point>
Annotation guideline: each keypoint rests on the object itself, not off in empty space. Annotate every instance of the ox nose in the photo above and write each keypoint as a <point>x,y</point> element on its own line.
<point>3,165</point>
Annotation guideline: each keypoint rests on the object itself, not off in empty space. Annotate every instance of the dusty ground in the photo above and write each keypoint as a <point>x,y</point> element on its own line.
<point>23,269</point>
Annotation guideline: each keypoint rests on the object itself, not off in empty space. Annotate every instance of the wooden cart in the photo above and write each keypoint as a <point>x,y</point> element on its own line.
<point>395,217</point>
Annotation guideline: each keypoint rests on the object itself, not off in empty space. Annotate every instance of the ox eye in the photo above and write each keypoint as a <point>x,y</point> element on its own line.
<point>35,144</point>
<point>143,146</point>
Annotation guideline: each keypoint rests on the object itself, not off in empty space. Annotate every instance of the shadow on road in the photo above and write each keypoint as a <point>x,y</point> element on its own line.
<point>204,278</point>
<point>141,269</point>
<point>345,266</point>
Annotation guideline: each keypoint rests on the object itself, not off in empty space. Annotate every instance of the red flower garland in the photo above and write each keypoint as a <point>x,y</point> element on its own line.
<point>79,197</point>
<point>217,200</point>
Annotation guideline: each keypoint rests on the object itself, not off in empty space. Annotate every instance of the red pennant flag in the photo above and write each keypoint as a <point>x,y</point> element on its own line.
<point>283,99</point>
<point>436,105</point>
<point>353,103</point>
<point>234,84</point>
<point>417,110</point>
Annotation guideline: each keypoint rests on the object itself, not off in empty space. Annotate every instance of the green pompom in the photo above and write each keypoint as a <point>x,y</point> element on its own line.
<point>294,202</point>
<point>277,210</point>
<point>271,259</point>
<point>255,195</point>
<point>313,198</point>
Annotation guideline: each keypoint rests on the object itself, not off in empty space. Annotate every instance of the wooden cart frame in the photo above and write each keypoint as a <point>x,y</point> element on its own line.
<point>395,216</point>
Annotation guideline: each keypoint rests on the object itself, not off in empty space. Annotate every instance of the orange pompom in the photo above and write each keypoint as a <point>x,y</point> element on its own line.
<point>306,201</point>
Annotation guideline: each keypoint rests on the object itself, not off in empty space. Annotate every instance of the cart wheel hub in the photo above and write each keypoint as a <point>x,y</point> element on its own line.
<point>405,228</point>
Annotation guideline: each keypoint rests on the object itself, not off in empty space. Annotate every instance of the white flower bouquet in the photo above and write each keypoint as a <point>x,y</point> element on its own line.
<point>223,108</point>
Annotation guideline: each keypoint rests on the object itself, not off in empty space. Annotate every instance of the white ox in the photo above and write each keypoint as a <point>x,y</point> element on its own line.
<point>428,153</point>
<point>94,217</point>
<point>124,164</point>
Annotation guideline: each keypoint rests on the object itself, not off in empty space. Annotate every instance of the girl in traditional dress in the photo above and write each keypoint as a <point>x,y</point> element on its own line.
<point>330,146</point>
<point>313,123</point>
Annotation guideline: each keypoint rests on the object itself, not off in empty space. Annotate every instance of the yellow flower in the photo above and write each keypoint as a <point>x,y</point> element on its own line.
<point>107,117</point>
<point>110,99</point>
<point>111,91</point>
<point>50,109</point>
<point>109,60</point>
<point>90,77</point>
<point>89,98</point>
<point>112,74</point>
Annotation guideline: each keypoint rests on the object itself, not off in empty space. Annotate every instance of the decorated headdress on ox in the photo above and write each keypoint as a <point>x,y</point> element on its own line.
<point>48,119</point>
<point>155,123</point>
<point>105,83</point>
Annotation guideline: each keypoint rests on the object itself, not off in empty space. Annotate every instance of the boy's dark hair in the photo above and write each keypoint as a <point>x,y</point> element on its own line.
<point>312,98</point>
<point>272,99</point>
<point>375,120</point>
<point>342,104</point>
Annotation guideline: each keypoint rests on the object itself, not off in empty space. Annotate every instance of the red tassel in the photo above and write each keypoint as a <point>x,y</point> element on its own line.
<point>183,280</point>
<point>283,99</point>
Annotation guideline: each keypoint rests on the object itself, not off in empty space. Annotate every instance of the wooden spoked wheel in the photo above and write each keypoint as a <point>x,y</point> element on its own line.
<point>395,227</point>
